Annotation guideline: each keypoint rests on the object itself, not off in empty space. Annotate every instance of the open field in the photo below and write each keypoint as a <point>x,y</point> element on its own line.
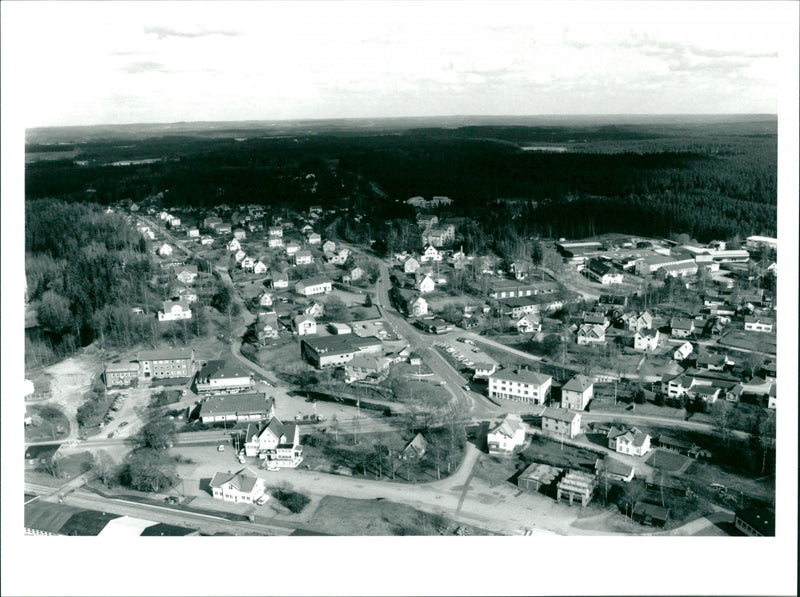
<point>758,341</point>
<point>667,461</point>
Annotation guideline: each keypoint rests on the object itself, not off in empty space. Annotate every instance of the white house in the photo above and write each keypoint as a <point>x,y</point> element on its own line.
<point>165,250</point>
<point>430,253</point>
<point>507,435</point>
<point>315,310</point>
<point>313,286</point>
<point>240,255</point>
<point>243,487</point>
<point>418,307</point>
<point>265,300</point>
<point>277,441</point>
<point>275,231</point>
<point>275,242</point>
<point>683,351</point>
<point>175,310</point>
<point>206,240</point>
<point>303,257</point>
<point>314,239</point>
<point>426,284</point>
<point>410,265</point>
<point>248,263</point>
<point>259,267</point>
<point>528,324</point>
<point>591,334</point>
<point>233,245</point>
<point>520,385</point>
<point>186,273</point>
<point>193,232</point>
<point>267,326</point>
<point>328,246</point>
<point>646,339</point>
<point>292,248</point>
<point>681,328</point>
<point>280,280</point>
<point>577,392</point>
<point>758,324</point>
<point>239,234</point>
<point>305,325</point>
<point>628,441</point>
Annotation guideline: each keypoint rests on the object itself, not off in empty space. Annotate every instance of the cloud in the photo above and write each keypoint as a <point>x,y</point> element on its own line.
<point>143,67</point>
<point>653,47</point>
<point>164,32</point>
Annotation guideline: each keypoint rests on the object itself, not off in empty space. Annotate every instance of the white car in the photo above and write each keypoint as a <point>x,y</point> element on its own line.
<point>273,468</point>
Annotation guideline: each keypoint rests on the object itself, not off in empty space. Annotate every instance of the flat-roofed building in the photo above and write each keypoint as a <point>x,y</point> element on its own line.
<point>237,407</point>
<point>221,376</point>
<point>756,242</point>
<point>160,364</point>
<point>121,374</point>
<point>332,351</point>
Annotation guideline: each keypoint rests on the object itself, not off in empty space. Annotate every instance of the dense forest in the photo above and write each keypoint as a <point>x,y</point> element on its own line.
<point>85,272</point>
<point>707,179</point>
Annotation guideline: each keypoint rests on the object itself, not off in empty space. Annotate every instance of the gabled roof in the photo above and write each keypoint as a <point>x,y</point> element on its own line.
<point>579,383</point>
<point>647,333</point>
<point>677,323</point>
<point>613,466</point>
<point>632,435</point>
<point>560,414</point>
<point>221,369</point>
<point>419,443</point>
<point>522,376</point>
<point>509,426</point>
<point>241,480</point>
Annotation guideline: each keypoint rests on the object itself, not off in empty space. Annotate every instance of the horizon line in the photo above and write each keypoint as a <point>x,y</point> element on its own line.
<point>427,117</point>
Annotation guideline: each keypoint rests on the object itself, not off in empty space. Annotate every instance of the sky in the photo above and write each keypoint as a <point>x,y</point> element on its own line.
<point>117,62</point>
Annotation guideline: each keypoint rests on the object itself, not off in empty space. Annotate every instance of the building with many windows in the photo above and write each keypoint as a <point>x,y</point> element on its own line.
<point>220,376</point>
<point>522,385</point>
<point>161,364</point>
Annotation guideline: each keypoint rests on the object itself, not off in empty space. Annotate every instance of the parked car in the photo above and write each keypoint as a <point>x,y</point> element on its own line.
<point>273,467</point>
<point>242,460</point>
<point>220,448</point>
<point>123,424</point>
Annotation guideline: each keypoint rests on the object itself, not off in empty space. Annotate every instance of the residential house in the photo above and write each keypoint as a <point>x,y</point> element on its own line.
<point>754,323</point>
<point>430,253</point>
<point>243,487</point>
<point>223,229</point>
<point>174,311</point>
<point>280,279</point>
<point>206,240</point>
<point>222,376</point>
<point>233,245</point>
<point>561,422</point>
<point>193,232</point>
<point>683,351</point>
<point>313,286</point>
<point>410,265</point>
<point>628,441</point>
<point>275,242</point>
<point>644,321</point>
<point>646,339</point>
<point>239,234</point>
<point>314,239</point>
<point>706,393</point>
<point>595,318</point>
<point>577,393</point>
<point>277,442</point>
<point>265,300</point>
<point>165,250</point>
<point>328,246</point>
<point>304,325</point>
<point>186,273</point>
<point>189,295</point>
<point>416,448</point>
<point>248,263</point>
<point>315,310</point>
<point>212,222</point>
<point>425,284</point>
<point>576,486</point>
<point>591,334</point>
<point>681,328</point>
<point>275,232</point>
<point>259,267</point>
<point>361,366</point>
<point>673,444</point>
<point>267,326</point>
<point>613,469</point>
<point>292,248</point>
<point>239,256</point>
<point>520,385</point>
<point>427,221</point>
<point>352,275</point>
<point>528,324</point>
<point>236,408</point>
<point>303,257</point>
<point>506,436</point>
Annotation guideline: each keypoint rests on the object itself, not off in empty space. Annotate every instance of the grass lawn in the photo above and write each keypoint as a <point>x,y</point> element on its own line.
<point>344,516</point>
<point>498,470</point>
<point>749,340</point>
<point>75,465</point>
<point>667,461</point>
<point>553,453</point>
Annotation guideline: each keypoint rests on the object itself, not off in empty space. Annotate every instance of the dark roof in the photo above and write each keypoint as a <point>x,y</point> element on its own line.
<point>579,383</point>
<point>241,480</point>
<point>236,404</point>
<point>344,343</point>
<point>761,519</point>
<point>222,370</point>
<point>560,414</point>
<point>167,354</point>
<point>41,451</point>
<point>168,530</point>
<point>645,509</point>
<point>666,440</point>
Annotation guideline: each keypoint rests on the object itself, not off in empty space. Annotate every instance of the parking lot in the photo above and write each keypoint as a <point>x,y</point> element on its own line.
<point>465,351</point>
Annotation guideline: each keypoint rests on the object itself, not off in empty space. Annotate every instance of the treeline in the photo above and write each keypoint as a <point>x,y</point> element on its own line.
<point>83,266</point>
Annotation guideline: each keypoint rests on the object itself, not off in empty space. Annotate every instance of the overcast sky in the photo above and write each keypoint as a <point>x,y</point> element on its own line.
<point>163,62</point>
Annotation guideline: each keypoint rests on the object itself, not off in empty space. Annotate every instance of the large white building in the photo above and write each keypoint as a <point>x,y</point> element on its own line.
<point>313,286</point>
<point>175,310</point>
<point>521,385</point>
<point>577,392</point>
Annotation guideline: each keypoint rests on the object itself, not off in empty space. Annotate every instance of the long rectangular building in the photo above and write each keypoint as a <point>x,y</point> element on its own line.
<point>169,363</point>
<point>521,385</point>
<point>237,407</point>
<point>332,351</point>
<point>220,376</point>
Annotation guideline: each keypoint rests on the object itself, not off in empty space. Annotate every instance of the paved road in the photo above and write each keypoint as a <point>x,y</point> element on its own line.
<point>660,421</point>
